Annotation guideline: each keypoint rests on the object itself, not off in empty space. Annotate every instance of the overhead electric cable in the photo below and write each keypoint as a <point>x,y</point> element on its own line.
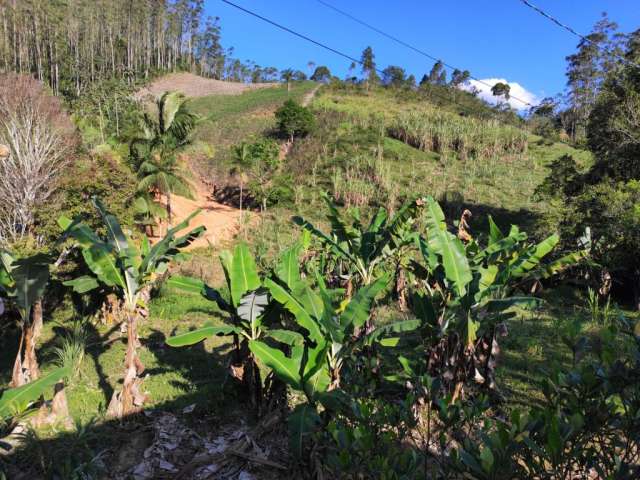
<point>411,47</point>
<point>574,32</point>
<point>326,47</point>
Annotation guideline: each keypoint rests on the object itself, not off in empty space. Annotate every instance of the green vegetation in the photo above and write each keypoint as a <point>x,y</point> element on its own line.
<point>294,119</point>
<point>382,304</point>
<point>117,265</point>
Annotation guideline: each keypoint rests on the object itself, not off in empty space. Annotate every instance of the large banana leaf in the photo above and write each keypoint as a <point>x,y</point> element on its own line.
<point>318,383</point>
<point>495,235</point>
<point>357,311</point>
<point>195,336</point>
<point>402,326</point>
<point>114,231</point>
<point>79,231</point>
<point>338,226</point>
<point>448,247</point>
<point>103,264</point>
<point>15,401</point>
<point>372,241</point>
<point>186,284</point>
<point>530,259</point>
<point>309,299</point>
<point>285,368</point>
<point>285,336</point>
<point>197,286</point>
<point>324,238</point>
<point>169,244</point>
<point>82,284</point>
<point>31,275</point>
<point>304,319</point>
<point>454,261</point>
<point>561,264</point>
<point>288,268</point>
<point>253,305</point>
<point>403,219</point>
<point>243,274</point>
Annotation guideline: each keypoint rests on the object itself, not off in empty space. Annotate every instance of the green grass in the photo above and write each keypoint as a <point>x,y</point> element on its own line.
<point>227,120</point>
<point>386,169</point>
<point>219,107</point>
<point>175,377</point>
<point>500,184</point>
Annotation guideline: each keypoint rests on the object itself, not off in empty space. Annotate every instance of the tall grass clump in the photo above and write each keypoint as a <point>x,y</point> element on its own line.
<point>362,180</point>
<point>430,129</point>
<point>71,346</point>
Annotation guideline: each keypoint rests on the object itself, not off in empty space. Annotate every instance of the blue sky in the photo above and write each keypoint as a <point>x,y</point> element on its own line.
<point>500,39</point>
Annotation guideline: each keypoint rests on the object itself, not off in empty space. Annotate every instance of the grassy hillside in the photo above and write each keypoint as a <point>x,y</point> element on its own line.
<point>501,181</point>
<point>367,150</point>
<point>227,120</point>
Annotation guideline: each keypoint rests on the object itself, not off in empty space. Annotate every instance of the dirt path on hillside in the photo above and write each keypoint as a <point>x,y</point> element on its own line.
<point>285,148</point>
<point>195,86</point>
<point>221,221</point>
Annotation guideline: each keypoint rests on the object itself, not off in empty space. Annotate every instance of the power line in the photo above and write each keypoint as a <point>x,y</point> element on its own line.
<point>574,32</point>
<point>411,47</point>
<point>331,49</point>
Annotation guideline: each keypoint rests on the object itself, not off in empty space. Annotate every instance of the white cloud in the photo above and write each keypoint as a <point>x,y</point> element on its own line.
<point>517,90</point>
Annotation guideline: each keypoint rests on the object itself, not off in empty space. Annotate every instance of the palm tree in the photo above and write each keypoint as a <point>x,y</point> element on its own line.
<point>147,210</point>
<point>163,176</point>
<point>163,134</point>
<point>287,76</point>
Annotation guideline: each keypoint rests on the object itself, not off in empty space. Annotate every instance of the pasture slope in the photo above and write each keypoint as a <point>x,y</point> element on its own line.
<point>192,412</point>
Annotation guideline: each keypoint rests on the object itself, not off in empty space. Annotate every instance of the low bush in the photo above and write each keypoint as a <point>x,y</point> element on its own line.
<point>294,120</point>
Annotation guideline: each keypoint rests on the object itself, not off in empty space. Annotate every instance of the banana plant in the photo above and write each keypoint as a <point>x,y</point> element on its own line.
<point>361,249</point>
<point>15,401</point>
<point>469,291</point>
<point>24,281</point>
<point>116,263</point>
<point>315,354</point>
<point>245,314</point>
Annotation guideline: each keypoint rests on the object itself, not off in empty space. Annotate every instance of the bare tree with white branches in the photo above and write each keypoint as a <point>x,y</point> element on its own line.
<point>35,140</point>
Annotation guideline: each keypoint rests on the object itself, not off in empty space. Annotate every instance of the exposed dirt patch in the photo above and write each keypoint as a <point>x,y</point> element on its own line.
<point>221,221</point>
<point>194,86</point>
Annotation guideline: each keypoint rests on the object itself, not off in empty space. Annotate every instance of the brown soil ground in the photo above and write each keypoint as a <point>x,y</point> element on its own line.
<point>194,86</point>
<point>221,221</point>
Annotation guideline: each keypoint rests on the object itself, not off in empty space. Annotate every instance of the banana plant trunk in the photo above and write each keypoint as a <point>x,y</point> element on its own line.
<point>401,288</point>
<point>130,399</point>
<point>168,211</point>
<point>30,363</point>
<point>25,368</point>
<point>17,376</point>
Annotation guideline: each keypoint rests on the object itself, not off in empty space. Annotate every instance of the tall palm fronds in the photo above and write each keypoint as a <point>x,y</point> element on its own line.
<point>163,133</point>
<point>163,176</point>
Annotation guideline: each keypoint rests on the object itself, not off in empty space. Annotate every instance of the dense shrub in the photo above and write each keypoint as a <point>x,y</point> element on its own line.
<point>294,120</point>
<point>259,164</point>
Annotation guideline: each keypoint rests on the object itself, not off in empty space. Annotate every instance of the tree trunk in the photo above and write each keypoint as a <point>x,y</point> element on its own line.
<point>130,399</point>
<point>17,377</point>
<point>168,212</point>
<point>401,288</point>
<point>25,367</point>
<point>30,361</point>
